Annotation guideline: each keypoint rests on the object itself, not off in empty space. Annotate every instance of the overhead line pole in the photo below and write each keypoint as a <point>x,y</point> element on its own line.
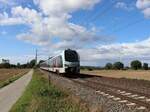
<point>36,58</point>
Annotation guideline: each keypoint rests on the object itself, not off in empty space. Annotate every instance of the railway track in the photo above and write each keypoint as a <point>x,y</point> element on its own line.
<point>131,98</point>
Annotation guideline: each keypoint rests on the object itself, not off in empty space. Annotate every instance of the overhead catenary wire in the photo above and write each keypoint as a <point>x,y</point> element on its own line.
<point>127,26</point>
<point>120,28</point>
<point>90,15</point>
<point>108,8</point>
<point>97,13</point>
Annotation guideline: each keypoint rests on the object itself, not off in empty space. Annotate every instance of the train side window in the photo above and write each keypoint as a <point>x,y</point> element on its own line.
<point>60,60</point>
<point>53,63</point>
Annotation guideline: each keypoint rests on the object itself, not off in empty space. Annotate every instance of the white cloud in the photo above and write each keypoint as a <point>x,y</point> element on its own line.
<point>123,5</point>
<point>6,20</point>
<point>144,5</point>
<point>20,58</point>
<point>11,21</point>
<point>29,16</point>
<point>147,12</point>
<point>34,39</point>
<point>20,15</point>
<point>67,45</point>
<point>134,50</point>
<point>52,22</point>
<point>7,2</point>
<point>60,7</point>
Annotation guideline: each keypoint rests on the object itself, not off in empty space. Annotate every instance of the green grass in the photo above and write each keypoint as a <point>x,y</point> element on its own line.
<point>10,80</point>
<point>42,97</point>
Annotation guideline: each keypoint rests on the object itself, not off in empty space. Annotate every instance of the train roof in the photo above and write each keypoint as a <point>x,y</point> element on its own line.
<point>58,54</point>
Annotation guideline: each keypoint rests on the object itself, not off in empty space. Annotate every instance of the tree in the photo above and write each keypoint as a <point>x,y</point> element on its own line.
<point>41,61</point>
<point>28,65</point>
<point>136,64</point>
<point>32,63</point>
<point>18,65</point>
<point>5,65</point>
<point>108,66</point>
<point>126,68</point>
<point>13,66</point>
<point>145,66</point>
<point>118,65</point>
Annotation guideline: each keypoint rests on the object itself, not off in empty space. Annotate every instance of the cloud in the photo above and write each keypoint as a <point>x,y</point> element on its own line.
<point>53,21</point>
<point>64,45</point>
<point>61,7</point>
<point>124,6</point>
<point>134,50</point>
<point>20,15</point>
<point>144,5</point>
<point>147,12</point>
<point>29,16</point>
<point>20,58</point>
<point>34,39</point>
<point>7,2</point>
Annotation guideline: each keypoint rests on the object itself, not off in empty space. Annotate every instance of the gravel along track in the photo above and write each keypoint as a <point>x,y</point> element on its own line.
<point>123,96</point>
<point>140,86</point>
<point>100,96</point>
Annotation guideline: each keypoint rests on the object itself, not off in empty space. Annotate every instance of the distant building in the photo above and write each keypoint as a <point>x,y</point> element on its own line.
<point>5,61</point>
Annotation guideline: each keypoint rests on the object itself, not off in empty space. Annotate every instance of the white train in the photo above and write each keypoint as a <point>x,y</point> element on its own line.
<point>66,62</point>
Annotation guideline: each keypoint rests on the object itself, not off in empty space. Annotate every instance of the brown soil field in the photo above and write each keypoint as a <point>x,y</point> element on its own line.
<point>7,73</point>
<point>132,74</point>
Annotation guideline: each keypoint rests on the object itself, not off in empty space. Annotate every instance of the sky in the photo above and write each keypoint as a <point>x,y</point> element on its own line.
<point>101,31</point>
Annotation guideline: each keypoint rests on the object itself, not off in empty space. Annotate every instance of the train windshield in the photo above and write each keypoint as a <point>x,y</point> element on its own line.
<point>71,56</point>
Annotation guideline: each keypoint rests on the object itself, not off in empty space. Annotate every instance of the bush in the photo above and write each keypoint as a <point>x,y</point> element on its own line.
<point>145,66</point>
<point>5,65</point>
<point>108,66</point>
<point>136,64</point>
<point>118,65</point>
<point>126,68</point>
<point>90,69</point>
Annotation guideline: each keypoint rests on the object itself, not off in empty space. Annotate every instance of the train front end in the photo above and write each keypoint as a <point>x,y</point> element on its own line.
<point>72,61</point>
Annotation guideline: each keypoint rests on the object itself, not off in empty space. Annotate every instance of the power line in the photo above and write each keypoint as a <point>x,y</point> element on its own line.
<point>108,8</point>
<point>127,25</point>
<point>90,15</point>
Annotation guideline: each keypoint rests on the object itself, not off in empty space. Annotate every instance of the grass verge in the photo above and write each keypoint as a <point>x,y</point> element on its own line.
<point>10,80</point>
<point>42,97</point>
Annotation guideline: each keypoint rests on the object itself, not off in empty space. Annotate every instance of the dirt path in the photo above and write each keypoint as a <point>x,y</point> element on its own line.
<point>11,93</point>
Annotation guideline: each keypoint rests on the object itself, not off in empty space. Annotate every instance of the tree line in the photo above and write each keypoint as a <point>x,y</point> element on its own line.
<point>135,65</point>
<point>30,64</point>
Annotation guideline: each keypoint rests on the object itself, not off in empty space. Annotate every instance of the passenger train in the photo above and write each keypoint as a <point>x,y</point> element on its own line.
<point>66,62</point>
